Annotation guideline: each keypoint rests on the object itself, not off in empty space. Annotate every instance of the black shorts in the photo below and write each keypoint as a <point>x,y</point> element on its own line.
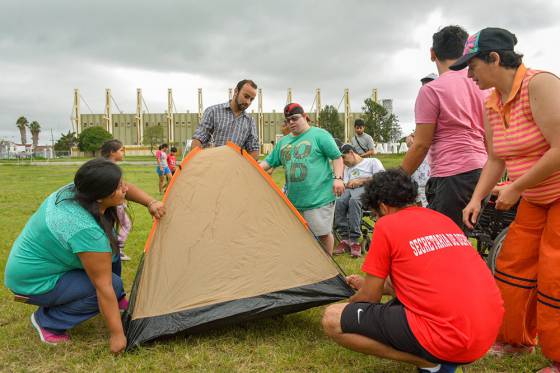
<point>385,323</point>
<point>451,194</point>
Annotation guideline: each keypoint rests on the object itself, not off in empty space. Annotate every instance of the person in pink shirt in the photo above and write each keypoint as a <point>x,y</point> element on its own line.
<point>449,128</point>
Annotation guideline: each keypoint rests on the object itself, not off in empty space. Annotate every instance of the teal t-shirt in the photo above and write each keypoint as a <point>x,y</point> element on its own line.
<point>306,160</point>
<point>48,246</point>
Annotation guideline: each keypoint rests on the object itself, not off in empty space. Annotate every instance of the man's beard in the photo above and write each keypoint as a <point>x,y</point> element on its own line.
<point>241,106</point>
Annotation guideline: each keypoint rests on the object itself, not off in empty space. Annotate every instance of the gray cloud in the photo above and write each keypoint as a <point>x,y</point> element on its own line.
<point>47,49</point>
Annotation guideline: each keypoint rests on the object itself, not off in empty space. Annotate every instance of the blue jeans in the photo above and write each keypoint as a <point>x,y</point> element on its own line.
<point>72,301</point>
<point>348,215</point>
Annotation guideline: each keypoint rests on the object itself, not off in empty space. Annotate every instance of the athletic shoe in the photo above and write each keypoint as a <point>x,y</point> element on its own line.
<point>553,368</point>
<point>355,250</point>
<point>342,247</point>
<point>502,349</point>
<point>47,336</point>
<point>445,368</point>
<point>124,257</point>
<point>123,304</point>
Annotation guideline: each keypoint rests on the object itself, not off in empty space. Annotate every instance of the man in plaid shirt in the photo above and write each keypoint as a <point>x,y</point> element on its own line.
<point>229,122</point>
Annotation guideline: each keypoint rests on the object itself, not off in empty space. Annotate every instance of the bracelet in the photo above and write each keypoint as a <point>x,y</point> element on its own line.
<point>151,203</point>
<point>337,177</point>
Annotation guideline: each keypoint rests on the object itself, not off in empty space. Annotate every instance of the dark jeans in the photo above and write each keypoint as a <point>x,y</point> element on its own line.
<point>72,301</point>
<point>451,194</point>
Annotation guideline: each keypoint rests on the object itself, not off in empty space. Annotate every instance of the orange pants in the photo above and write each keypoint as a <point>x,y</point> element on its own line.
<point>528,275</point>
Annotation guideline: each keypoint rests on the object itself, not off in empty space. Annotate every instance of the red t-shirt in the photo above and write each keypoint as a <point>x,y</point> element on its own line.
<point>171,162</point>
<point>451,301</point>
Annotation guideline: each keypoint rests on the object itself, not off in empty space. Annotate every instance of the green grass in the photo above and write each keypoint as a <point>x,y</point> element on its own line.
<point>292,343</point>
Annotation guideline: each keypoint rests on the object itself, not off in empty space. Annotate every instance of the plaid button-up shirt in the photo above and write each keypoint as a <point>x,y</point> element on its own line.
<point>219,125</point>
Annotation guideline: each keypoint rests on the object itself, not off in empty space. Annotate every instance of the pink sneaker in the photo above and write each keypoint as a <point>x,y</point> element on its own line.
<point>502,349</point>
<point>355,250</point>
<point>49,337</point>
<point>123,304</point>
<point>342,247</point>
<point>553,368</point>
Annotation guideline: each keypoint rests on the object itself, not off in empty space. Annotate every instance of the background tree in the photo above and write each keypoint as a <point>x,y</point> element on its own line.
<point>21,124</point>
<point>380,124</point>
<point>153,136</point>
<point>91,139</point>
<point>35,129</point>
<point>66,142</point>
<point>330,121</point>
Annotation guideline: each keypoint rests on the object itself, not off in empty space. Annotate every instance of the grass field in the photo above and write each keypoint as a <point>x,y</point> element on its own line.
<point>292,343</point>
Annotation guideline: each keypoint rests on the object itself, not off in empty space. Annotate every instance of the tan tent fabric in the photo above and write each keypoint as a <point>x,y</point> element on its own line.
<point>227,235</point>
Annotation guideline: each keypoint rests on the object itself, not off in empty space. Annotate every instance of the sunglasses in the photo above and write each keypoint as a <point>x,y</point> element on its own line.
<point>293,118</point>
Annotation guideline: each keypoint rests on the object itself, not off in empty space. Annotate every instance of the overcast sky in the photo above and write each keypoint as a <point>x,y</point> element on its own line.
<point>49,48</point>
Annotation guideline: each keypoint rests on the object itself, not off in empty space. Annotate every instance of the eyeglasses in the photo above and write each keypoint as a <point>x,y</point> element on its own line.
<point>293,118</point>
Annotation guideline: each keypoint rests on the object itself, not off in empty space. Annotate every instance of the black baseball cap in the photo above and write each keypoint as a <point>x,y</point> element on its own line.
<point>292,109</point>
<point>486,40</point>
<point>345,148</point>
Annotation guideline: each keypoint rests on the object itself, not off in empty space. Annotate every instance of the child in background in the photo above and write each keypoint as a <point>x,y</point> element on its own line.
<point>113,150</point>
<point>172,160</point>
<point>162,168</point>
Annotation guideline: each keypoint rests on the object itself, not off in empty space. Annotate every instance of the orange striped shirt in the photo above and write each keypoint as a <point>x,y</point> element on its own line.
<point>518,140</point>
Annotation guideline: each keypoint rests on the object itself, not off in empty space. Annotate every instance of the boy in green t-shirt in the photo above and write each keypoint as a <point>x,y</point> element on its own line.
<point>305,154</point>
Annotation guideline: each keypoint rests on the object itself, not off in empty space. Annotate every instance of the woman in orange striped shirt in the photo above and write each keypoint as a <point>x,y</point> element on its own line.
<point>522,125</point>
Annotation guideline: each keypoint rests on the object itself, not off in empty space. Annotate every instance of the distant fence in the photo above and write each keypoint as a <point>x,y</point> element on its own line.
<point>46,154</point>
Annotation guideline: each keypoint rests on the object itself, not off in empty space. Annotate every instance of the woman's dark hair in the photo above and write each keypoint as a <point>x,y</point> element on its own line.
<point>109,147</point>
<point>96,179</point>
<point>508,59</point>
<point>163,146</point>
<point>392,187</point>
<point>173,149</point>
<point>449,42</point>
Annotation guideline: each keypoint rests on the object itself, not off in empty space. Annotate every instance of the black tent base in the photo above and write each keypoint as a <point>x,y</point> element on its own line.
<point>214,316</point>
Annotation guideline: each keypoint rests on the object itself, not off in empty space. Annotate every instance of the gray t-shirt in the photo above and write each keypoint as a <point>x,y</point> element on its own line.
<point>362,143</point>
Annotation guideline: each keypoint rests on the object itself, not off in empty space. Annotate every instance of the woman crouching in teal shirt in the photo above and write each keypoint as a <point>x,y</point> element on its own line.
<point>62,260</point>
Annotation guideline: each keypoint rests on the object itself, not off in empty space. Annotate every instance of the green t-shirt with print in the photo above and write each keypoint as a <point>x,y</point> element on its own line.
<point>306,160</point>
<point>47,247</point>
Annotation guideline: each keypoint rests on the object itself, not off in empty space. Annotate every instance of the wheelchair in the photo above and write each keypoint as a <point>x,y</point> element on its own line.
<point>491,230</point>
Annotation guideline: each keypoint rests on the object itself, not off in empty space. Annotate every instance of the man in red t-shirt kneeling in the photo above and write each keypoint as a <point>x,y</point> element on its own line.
<point>447,308</point>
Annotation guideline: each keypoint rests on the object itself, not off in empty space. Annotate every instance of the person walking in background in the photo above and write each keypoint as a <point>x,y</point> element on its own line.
<point>230,122</point>
<point>523,136</point>
<point>361,141</point>
<point>172,160</point>
<point>449,127</point>
<point>162,168</point>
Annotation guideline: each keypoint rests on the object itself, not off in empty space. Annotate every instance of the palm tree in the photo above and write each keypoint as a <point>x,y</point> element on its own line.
<point>35,129</point>
<point>22,123</point>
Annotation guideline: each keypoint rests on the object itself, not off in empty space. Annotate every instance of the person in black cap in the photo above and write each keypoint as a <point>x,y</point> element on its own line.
<point>523,137</point>
<point>306,154</point>
<point>348,210</point>
<point>361,141</point>
<point>449,129</point>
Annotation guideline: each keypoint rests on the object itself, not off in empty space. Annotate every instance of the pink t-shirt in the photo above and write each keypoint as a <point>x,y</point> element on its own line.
<point>456,105</point>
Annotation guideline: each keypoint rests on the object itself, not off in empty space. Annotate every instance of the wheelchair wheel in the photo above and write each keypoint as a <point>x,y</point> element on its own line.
<point>495,250</point>
<point>366,242</point>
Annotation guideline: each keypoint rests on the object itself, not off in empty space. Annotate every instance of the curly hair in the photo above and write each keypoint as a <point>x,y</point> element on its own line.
<point>392,187</point>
